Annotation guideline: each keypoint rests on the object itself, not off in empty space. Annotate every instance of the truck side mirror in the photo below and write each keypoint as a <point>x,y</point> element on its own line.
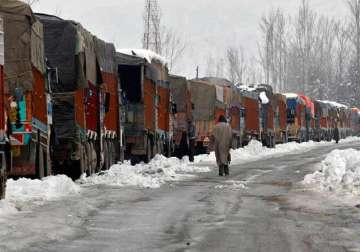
<point>192,106</point>
<point>107,102</point>
<point>53,76</point>
<point>174,108</point>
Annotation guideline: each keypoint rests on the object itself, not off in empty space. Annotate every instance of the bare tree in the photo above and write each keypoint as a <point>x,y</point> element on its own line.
<point>172,47</point>
<point>354,7</point>
<point>236,64</point>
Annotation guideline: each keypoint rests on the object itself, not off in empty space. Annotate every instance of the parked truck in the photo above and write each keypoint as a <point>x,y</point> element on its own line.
<point>279,105</point>
<point>3,140</point>
<point>211,98</point>
<point>76,73</point>
<point>250,128</point>
<point>25,126</point>
<point>295,117</point>
<point>267,125</point>
<point>182,123</point>
<point>111,112</point>
<point>144,82</point>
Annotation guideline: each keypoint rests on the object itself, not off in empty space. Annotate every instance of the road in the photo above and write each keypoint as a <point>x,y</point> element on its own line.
<point>260,207</point>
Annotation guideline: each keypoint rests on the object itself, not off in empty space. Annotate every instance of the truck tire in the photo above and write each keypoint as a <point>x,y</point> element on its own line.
<point>2,185</point>
<point>89,158</point>
<point>148,155</point>
<point>106,155</point>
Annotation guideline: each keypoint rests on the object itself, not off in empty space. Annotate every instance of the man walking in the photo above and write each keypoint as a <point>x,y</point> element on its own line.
<point>223,139</point>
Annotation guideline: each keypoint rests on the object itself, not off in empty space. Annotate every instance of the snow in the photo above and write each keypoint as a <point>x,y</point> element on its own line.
<point>7,208</point>
<point>264,99</point>
<point>146,54</point>
<point>335,104</point>
<point>49,188</point>
<point>256,151</point>
<point>159,171</point>
<point>339,172</point>
<point>247,88</point>
<point>291,95</point>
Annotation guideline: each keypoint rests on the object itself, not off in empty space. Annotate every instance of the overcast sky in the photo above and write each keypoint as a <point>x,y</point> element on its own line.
<point>209,26</point>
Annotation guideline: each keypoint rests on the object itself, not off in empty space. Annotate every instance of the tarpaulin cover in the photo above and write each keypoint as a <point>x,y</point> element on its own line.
<point>18,20</point>
<point>203,96</point>
<point>37,47</point>
<point>105,53</point>
<point>60,42</point>
<point>85,49</point>
<point>64,116</point>
<point>179,90</point>
<point>129,60</point>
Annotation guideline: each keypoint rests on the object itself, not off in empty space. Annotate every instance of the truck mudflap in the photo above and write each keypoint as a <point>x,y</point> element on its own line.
<point>3,175</point>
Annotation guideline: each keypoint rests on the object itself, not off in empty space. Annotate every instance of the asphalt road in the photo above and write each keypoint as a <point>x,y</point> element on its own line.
<point>260,207</point>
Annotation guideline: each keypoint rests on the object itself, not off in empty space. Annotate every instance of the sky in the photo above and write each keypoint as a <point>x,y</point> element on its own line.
<point>207,26</point>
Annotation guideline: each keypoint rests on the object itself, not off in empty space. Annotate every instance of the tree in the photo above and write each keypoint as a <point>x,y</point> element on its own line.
<point>354,7</point>
<point>236,65</point>
<point>172,47</point>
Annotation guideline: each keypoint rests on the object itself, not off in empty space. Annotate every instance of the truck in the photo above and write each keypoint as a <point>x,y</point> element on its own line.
<point>250,116</point>
<point>295,117</point>
<point>79,102</point>
<point>3,140</point>
<point>145,85</point>
<point>211,98</point>
<point>111,111</point>
<point>25,124</point>
<point>183,124</point>
<point>308,121</point>
<point>279,105</point>
<point>267,126</point>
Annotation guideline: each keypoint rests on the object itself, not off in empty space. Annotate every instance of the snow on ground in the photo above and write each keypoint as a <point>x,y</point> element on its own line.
<point>35,190</point>
<point>339,172</point>
<point>159,171</point>
<point>256,151</point>
<point>25,192</point>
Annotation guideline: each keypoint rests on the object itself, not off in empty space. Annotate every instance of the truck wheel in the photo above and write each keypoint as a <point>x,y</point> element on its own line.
<point>89,159</point>
<point>148,152</point>
<point>94,158</point>
<point>2,185</point>
<point>106,155</point>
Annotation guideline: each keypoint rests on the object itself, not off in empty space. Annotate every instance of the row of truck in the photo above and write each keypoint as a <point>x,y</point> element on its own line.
<point>71,103</point>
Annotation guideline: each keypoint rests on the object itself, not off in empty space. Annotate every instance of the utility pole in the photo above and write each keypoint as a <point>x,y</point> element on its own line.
<point>152,20</point>
<point>197,72</point>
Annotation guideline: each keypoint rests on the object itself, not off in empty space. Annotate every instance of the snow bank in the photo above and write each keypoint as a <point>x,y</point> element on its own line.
<point>159,171</point>
<point>146,54</point>
<point>264,99</point>
<point>340,172</point>
<point>49,188</point>
<point>255,151</point>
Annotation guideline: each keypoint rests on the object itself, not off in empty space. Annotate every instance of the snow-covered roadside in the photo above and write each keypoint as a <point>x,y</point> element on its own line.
<point>339,172</point>
<point>22,191</point>
<point>159,171</point>
<point>256,151</point>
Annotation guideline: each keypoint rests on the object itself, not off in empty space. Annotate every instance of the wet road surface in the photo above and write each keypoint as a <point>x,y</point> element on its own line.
<point>260,207</point>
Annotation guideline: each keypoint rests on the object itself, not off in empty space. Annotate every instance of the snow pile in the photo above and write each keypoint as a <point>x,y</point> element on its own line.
<point>49,188</point>
<point>159,171</point>
<point>146,54</point>
<point>340,172</point>
<point>263,97</point>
